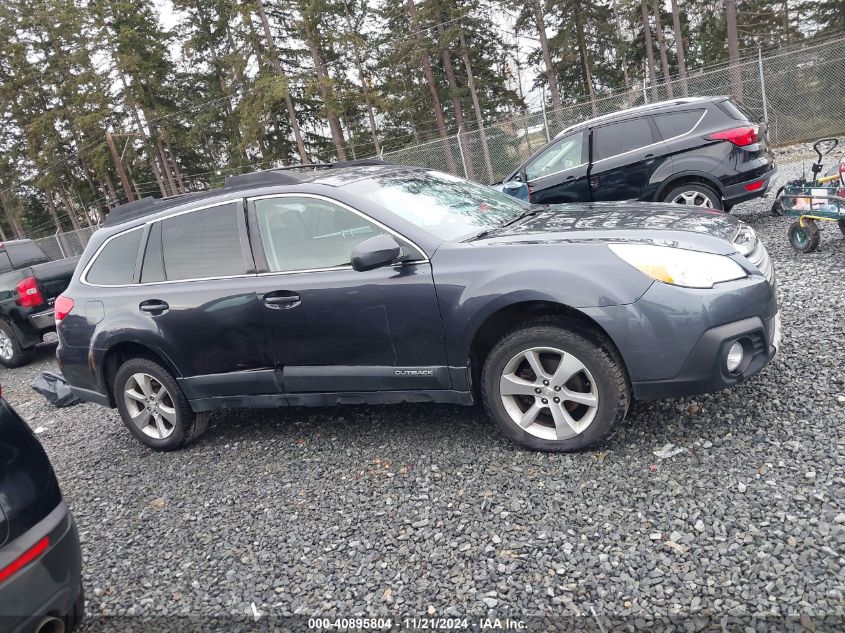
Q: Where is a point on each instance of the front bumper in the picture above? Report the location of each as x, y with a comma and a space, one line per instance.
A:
739, 192
705, 369
51, 585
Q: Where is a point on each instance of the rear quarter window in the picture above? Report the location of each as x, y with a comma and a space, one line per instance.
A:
672, 124
115, 264
202, 244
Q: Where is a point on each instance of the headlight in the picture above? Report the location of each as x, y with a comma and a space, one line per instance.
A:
746, 240
691, 269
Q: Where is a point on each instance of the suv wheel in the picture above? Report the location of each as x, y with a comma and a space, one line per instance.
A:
550, 388
153, 406
11, 353
695, 195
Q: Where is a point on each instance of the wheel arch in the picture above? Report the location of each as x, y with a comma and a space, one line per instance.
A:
506, 318
121, 351
681, 178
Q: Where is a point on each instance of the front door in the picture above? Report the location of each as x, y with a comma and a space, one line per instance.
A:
625, 155
333, 328
559, 172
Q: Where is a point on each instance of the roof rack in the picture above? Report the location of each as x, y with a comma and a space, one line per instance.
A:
275, 176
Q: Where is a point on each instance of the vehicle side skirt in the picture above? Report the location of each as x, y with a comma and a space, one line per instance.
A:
272, 401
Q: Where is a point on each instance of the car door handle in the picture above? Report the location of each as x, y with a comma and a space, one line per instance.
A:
281, 300
648, 159
569, 179
154, 306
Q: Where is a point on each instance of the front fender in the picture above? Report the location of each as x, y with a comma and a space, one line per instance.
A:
474, 282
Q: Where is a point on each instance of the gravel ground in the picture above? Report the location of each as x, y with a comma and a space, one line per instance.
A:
424, 510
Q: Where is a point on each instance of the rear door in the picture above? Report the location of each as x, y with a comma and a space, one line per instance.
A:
195, 295
333, 328
559, 172
625, 154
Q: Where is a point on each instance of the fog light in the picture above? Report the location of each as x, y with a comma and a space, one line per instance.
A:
735, 354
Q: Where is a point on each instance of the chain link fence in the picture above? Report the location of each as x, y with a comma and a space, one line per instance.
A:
800, 92
67, 244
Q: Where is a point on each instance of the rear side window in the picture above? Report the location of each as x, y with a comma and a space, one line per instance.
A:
115, 265
5, 262
672, 124
618, 138
737, 111
204, 243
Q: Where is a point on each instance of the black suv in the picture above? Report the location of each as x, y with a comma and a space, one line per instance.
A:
702, 151
383, 284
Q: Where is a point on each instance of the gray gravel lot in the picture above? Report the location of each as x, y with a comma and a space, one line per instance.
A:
424, 510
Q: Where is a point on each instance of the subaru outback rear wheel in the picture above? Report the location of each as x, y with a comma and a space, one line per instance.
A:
153, 407
552, 388
695, 195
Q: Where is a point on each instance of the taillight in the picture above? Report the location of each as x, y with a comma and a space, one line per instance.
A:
62, 307
25, 559
29, 295
739, 136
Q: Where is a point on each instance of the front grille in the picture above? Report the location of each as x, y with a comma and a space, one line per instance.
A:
759, 257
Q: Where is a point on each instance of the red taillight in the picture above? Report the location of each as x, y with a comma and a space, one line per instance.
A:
29, 295
25, 559
739, 136
754, 186
62, 307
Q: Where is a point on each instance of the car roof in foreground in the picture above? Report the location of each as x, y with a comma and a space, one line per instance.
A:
332, 174
647, 108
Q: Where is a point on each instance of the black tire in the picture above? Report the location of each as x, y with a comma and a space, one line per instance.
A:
696, 187
14, 355
841, 224
184, 428
593, 351
804, 236
777, 205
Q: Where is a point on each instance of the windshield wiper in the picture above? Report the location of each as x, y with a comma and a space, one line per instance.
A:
519, 218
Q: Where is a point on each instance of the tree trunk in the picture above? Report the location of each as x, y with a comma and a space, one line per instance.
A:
454, 94
432, 87
365, 84
551, 75
112, 192
733, 49
274, 60
479, 118
649, 49
679, 47
619, 46
52, 210
585, 63
661, 45
325, 80
71, 209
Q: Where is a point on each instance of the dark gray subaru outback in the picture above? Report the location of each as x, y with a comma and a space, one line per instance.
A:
374, 283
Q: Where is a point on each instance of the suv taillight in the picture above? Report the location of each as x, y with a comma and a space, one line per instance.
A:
739, 136
62, 307
29, 295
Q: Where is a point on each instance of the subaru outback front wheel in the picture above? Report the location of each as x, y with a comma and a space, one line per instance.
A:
153, 407
553, 388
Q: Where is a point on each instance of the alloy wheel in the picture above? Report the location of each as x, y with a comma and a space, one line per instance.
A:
693, 198
6, 348
150, 406
549, 393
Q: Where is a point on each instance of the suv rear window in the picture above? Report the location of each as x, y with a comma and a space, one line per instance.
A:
672, 124
624, 136
204, 243
115, 265
737, 111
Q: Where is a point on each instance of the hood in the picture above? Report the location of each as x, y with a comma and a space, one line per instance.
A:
603, 219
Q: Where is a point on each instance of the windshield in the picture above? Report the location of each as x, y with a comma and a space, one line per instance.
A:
446, 206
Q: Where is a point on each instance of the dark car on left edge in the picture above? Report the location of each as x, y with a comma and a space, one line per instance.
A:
40, 558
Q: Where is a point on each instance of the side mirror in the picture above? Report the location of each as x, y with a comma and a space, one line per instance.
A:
377, 251
517, 189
